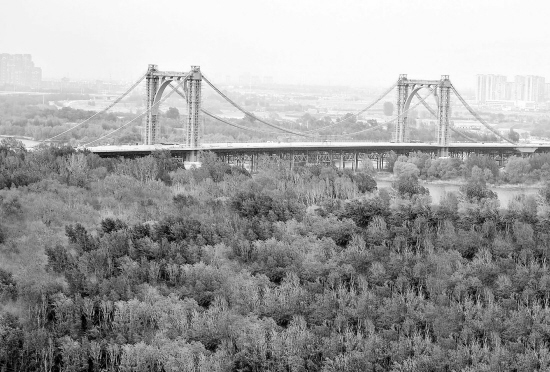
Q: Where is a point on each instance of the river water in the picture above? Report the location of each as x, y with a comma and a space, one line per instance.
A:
438, 190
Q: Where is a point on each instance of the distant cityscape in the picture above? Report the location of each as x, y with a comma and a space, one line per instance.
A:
19, 73
18, 70
525, 92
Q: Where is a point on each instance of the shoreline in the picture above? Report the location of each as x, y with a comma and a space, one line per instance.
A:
461, 181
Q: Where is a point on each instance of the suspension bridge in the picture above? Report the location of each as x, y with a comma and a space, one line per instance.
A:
160, 85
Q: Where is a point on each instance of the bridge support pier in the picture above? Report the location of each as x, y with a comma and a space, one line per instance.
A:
443, 152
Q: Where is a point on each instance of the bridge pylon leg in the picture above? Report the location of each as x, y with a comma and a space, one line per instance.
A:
444, 114
400, 134
151, 87
193, 125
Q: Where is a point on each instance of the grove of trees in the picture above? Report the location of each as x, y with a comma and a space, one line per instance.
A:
142, 265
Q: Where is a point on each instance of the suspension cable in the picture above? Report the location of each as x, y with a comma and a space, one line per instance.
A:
479, 118
387, 122
102, 111
346, 119
432, 111
426, 105
213, 116
298, 133
140, 115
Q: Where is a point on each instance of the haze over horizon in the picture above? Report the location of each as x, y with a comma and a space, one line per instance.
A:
308, 42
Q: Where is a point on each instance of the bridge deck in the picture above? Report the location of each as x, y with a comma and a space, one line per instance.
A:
320, 146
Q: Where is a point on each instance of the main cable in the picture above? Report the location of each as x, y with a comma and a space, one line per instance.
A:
214, 116
346, 119
141, 115
298, 133
387, 122
479, 118
432, 111
102, 111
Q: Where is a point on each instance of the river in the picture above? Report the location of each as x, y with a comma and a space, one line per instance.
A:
438, 190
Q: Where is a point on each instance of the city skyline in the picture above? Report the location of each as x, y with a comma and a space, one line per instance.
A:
524, 88
20, 70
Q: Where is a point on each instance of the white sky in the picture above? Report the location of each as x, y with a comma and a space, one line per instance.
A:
356, 42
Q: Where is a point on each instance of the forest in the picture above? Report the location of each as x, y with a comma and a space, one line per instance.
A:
141, 265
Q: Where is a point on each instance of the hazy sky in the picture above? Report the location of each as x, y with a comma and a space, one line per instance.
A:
359, 42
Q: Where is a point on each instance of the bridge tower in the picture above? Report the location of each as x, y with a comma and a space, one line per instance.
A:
406, 90
155, 83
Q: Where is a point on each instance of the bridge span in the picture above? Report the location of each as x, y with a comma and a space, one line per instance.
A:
341, 154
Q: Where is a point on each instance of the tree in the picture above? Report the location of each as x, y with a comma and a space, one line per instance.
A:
513, 135
349, 118
517, 169
545, 192
407, 185
364, 182
403, 168
476, 188
173, 113
482, 162
388, 108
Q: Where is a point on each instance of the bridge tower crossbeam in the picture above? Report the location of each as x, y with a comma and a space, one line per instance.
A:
406, 90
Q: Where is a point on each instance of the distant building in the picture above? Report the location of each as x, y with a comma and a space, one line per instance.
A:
529, 88
18, 70
467, 125
534, 88
491, 88
510, 87
547, 91
495, 89
519, 88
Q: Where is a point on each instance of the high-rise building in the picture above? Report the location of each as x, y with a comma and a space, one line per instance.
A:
491, 88
547, 92
529, 88
534, 88
519, 88
18, 70
481, 91
510, 87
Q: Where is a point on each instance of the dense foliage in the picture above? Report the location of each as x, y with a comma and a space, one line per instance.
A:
141, 265
517, 169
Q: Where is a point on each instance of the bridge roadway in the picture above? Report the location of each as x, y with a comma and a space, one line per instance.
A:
341, 154
268, 147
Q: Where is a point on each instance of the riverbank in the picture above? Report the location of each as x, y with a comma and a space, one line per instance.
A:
389, 177
440, 188
27, 141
